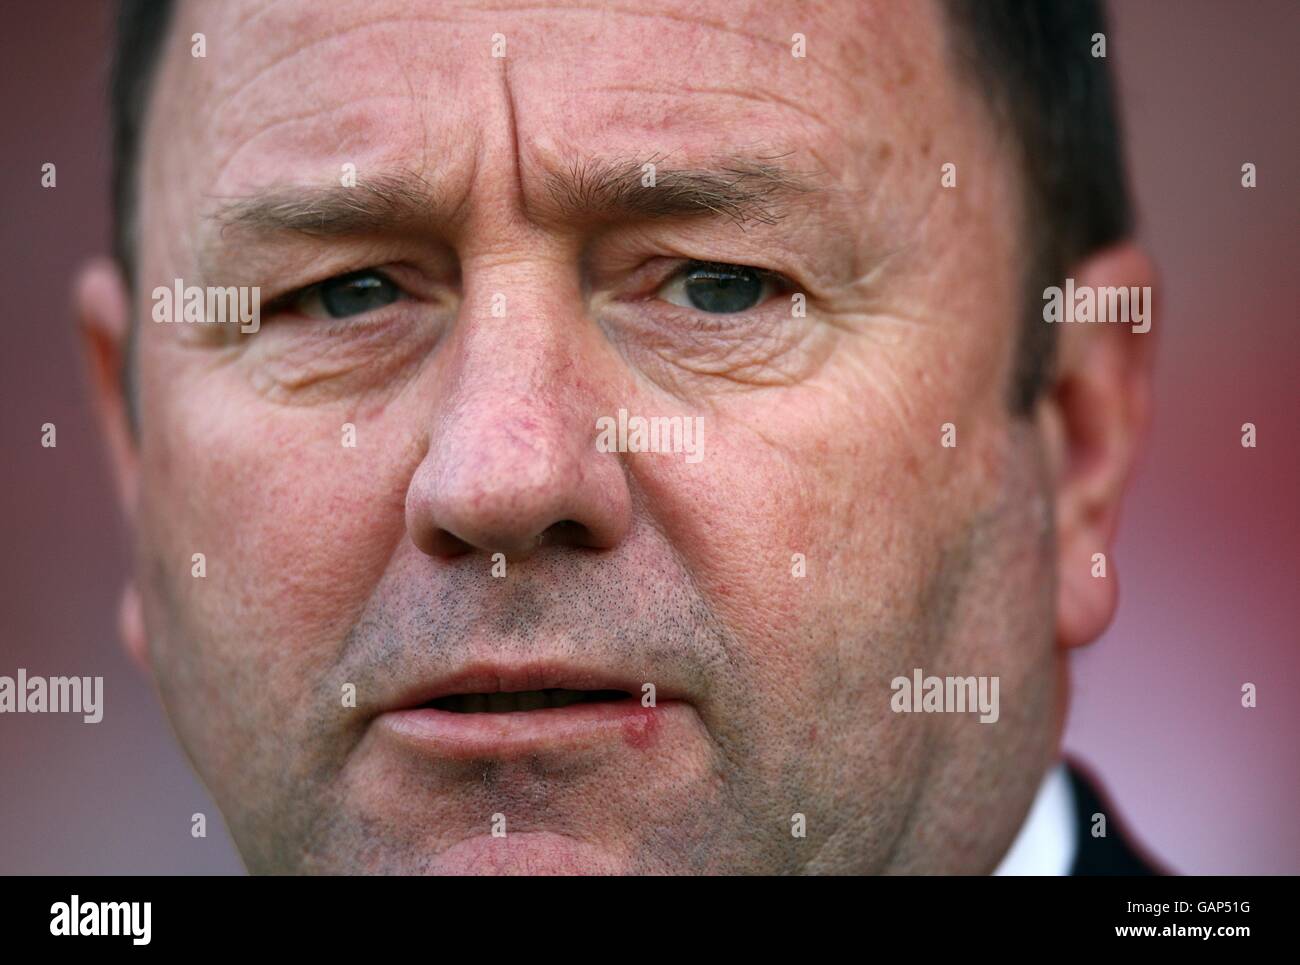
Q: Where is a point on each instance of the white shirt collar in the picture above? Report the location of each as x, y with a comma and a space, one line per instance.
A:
1047, 843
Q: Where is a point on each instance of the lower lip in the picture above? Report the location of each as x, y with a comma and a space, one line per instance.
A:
454, 735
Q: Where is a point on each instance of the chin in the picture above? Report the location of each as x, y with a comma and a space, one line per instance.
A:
526, 853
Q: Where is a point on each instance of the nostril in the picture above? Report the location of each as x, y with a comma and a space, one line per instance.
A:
441, 542
566, 532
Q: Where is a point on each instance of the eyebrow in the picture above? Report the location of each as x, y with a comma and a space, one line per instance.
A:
743, 190
740, 189
375, 202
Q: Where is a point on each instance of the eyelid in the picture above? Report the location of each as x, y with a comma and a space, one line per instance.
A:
772, 282
293, 300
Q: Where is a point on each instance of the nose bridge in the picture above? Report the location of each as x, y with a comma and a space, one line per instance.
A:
511, 463
514, 396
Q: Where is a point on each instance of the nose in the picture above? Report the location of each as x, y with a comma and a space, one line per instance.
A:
512, 464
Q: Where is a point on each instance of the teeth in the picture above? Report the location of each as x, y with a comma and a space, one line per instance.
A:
524, 700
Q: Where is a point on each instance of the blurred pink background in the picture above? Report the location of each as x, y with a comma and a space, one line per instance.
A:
1207, 555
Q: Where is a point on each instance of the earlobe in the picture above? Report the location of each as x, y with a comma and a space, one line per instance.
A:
1094, 420
103, 310
1086, 600
130, 625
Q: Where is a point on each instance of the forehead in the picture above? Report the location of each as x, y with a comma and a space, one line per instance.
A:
290, 89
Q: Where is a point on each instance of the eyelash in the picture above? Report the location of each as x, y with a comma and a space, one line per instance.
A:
773, 279
290, 301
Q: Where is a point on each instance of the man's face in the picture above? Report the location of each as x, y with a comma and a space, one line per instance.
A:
825, 543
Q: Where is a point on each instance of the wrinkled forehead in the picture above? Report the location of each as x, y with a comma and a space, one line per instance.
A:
289, 90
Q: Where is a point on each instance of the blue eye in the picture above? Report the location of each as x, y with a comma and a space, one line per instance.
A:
717, 288
354, 294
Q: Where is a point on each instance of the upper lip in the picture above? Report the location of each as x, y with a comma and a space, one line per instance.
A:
498, 677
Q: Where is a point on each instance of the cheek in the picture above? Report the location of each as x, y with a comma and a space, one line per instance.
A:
806, 524
296, 527
822, 531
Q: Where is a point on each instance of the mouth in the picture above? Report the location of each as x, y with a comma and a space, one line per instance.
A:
503, 712
524, 701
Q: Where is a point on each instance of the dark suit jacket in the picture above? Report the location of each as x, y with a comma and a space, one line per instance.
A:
1114, 854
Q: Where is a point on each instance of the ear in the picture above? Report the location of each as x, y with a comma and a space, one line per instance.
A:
1094, 418
103, 308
